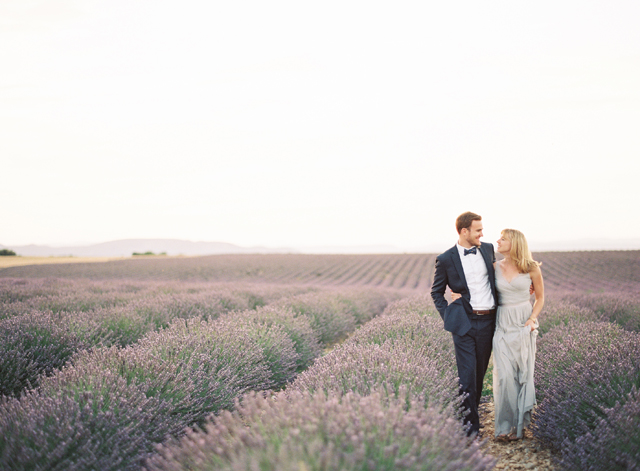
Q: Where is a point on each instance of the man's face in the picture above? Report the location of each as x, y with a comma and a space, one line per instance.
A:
473, 234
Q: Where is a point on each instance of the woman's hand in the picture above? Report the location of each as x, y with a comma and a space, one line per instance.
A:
531, 323
455, 296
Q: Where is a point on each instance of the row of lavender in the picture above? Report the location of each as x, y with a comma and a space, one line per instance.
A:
620, 307
594, 271
43, 322
587, 382
20, 295
110, 406
385, 399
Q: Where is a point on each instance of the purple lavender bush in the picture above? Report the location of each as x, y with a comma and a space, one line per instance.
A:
201, 367
123, 325
405, 348
558, 311
364, 304
38, 343
319, 432
366, 368
613, 445
277, 347
69, 296
413, 321
298, 328
16, 295
623, 307
578, 347
14, 290
413, 325
325, 316
95, 421
582, 370
334, 314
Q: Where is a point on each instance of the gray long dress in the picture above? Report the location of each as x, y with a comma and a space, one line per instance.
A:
514, 354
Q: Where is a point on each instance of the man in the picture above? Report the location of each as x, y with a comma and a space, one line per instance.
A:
467, 268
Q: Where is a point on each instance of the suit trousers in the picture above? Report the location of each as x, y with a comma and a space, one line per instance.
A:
473, 351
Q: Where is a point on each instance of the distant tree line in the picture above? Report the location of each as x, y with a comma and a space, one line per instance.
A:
149, 253
7, 252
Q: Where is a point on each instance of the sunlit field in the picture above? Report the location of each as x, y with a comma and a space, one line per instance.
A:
17, 261
283, 362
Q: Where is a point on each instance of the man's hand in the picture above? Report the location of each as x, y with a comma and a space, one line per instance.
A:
531, 290
455, 296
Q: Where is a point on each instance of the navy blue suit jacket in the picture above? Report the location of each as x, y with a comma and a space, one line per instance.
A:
449, 272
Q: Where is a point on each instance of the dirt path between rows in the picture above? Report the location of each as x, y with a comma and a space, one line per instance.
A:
527, 453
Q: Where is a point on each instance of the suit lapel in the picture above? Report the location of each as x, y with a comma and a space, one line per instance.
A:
455, 256
488, 260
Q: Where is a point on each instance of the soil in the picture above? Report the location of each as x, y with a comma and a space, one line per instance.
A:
527, 453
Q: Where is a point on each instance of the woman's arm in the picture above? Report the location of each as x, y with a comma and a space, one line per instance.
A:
538, 285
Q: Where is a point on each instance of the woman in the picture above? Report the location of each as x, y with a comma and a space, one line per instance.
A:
514, 341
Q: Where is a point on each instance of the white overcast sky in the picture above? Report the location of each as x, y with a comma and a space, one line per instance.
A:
317, 123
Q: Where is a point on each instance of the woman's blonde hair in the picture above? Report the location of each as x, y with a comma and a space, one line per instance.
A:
520, 253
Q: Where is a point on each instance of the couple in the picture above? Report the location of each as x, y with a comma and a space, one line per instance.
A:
491, 307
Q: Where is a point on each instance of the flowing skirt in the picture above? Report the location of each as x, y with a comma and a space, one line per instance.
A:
514, 355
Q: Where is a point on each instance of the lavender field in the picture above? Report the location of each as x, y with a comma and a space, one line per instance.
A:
595, 271
269, 361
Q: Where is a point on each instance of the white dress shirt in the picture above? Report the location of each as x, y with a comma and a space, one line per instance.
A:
475, 271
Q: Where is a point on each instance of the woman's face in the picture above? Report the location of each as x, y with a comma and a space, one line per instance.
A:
504, 245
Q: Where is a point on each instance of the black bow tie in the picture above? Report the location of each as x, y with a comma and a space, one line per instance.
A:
471, 250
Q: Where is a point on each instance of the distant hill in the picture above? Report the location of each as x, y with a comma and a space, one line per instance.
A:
125, 247
578, 245
350, 249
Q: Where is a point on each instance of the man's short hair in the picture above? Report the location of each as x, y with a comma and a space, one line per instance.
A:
465, 220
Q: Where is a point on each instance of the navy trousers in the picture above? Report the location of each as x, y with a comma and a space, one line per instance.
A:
473, 351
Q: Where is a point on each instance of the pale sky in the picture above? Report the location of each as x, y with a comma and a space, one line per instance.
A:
317, 123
